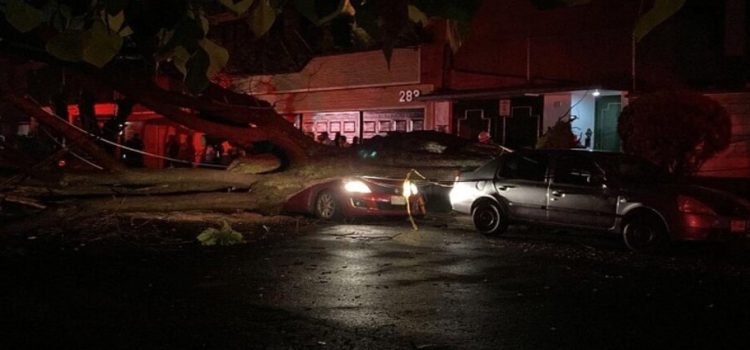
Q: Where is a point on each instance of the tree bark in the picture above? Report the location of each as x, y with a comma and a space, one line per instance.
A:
244, 124
76, 138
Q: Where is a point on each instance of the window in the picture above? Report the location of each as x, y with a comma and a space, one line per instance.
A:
417, 124
574, 170
384, 126
629, 169
350, 127
401, 125
526, 167
335, 126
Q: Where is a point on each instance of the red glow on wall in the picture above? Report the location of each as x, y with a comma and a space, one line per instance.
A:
101, 109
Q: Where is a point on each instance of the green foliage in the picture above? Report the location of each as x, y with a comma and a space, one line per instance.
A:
462, 11
262, 18
197, 66
558, 136
22, 16
223, 236
677, 130
552, 4
101, 45
321, 12
67, 46
175, 31
417, 16
239, 7
662, 10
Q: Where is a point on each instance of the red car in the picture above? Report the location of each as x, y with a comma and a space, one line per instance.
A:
357, 196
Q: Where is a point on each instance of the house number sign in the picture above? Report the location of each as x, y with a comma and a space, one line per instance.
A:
408, 95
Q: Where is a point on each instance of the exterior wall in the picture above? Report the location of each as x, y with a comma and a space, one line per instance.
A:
735, 161
441, 118
462, 80
555, 106
583, 104
586, 43
371, 98
334, 94
347, 71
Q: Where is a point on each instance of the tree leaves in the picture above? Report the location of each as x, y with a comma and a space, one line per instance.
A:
311, 9
307, 9
262, 18
223, 236
197, 66
23, 16
67, 46
237, 6
115, 22
218, 56
97, 45
180, 57
100, 45
552, 4
662, 10
462, 11
677, 130
558, 136
115, 6
417, 16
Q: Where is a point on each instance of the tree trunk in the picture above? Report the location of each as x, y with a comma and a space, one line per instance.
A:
76, 138
253, 121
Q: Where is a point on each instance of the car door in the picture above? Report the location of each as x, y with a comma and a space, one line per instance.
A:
578, 193
522, 181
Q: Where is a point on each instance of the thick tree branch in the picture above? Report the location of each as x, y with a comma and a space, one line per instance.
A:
266, 124
75, 138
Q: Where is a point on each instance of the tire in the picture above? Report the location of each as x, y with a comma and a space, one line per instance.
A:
489, 218
327, 206
645, 233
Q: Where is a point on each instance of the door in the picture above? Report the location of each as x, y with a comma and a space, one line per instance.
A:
522, 181
474, 116
607, 114
578, 194
522, 128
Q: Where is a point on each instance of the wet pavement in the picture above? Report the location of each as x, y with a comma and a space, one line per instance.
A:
379, 286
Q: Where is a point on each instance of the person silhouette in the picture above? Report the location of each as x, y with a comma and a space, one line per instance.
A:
133, 158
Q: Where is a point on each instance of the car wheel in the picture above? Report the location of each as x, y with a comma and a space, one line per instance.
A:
326, 206
489, 218
645, 234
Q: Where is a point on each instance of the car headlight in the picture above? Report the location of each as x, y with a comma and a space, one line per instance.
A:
356, 186
409, 189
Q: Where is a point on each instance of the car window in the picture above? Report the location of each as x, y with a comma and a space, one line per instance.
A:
577, 170
526, 167
629, 169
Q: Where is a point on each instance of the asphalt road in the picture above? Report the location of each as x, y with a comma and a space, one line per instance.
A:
378, 286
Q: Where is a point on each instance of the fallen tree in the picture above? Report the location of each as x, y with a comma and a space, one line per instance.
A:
119, 47
76, 196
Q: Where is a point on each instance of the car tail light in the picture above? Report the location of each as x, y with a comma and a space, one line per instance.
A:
696, 214
691, 205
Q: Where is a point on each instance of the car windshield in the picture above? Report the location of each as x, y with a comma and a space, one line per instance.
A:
630, 169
